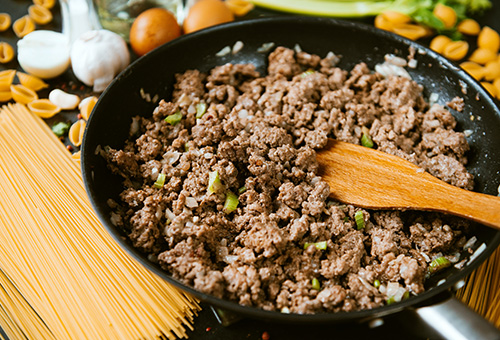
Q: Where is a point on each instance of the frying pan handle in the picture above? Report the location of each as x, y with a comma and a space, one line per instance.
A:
454, 320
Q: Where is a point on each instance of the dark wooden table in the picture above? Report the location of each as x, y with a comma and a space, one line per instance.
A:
403, 325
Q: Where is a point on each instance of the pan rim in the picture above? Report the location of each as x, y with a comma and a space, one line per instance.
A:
273, 315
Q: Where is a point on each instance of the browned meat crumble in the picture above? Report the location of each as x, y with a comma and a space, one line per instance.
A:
286, 247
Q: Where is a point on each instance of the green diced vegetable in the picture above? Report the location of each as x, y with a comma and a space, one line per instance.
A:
360, 221
306, 73
322, 245
214, 183
315, 284
231, 202
438, 264
160, 181
376, 284
201, 108
406, 295
390, 300
61, 129
242, 190
366, 139
174, 118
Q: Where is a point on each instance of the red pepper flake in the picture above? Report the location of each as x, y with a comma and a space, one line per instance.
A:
266, 336
69, 147
79, 116
208, 329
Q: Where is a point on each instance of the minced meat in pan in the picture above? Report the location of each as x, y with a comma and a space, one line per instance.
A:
233, 136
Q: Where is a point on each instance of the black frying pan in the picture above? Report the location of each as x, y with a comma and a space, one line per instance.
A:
154, 74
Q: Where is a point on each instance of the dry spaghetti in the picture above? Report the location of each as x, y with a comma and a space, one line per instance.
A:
62, 276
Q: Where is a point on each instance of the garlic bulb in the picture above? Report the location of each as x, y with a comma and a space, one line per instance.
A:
97, 56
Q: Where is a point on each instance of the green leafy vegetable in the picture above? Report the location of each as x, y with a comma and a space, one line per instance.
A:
61, 129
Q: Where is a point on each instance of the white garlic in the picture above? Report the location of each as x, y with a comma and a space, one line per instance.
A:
97, 56
64, 100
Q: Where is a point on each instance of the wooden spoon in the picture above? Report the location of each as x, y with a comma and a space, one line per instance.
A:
373, 179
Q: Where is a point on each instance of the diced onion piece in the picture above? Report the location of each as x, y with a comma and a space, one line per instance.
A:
231, 202
478, 251
160, 181
174, 119
438, 264
360, 221
191, 202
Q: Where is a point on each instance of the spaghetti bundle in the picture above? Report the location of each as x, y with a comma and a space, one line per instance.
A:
61, 275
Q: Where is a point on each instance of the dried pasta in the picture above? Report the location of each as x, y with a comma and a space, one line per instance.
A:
40, 14
23, 26
44, 108
76, 131
6, 52
31, 81
86, 106
66, 278
5, 21
23, 95
6, 78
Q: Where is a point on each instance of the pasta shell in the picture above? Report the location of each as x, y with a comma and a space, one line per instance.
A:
44, 108
40, 14
31, 82
5, 96
5, 21
23, 95
45, 3
6, 78
76, 131
23, 26
86, 106
6, 52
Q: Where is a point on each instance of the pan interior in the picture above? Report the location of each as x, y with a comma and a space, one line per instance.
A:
154, 75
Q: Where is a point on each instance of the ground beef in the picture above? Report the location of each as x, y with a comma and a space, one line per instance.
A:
286, 246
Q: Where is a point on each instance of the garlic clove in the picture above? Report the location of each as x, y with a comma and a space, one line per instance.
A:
98, 56
66, 101
44, 54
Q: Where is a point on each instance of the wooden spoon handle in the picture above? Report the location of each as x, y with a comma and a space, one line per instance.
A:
373, 179
475, 206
